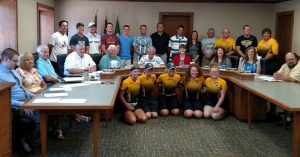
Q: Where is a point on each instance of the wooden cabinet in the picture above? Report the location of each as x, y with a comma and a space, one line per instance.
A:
5, 120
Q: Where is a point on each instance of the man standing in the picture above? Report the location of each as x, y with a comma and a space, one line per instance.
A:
79, 38
177, 40
208, 47
160, 41
58, 43
79, 62
141, 43
226, 42
126, 43
245, 40
94, 39
109, 39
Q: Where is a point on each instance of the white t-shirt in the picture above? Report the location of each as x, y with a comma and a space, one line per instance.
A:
156, 60
95, 42
73, 60
60, 44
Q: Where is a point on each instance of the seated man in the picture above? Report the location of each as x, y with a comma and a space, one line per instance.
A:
19, 96
290, 71
45, 67
78, 62
150, 57
111, 60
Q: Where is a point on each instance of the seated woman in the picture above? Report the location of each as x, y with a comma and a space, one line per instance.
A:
267, 48
129, 97
221, 59
148, 102
216, 90
195, 48
250, 64
194, 85
182, 58
167, 98
31, 79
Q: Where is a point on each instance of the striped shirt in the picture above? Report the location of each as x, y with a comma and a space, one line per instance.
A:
156, 60
174, 43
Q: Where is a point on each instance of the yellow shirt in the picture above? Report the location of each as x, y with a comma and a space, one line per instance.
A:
147, 84
193, 87
131, 88
169, 83
294, 72
228, 44
215, 87
264, 47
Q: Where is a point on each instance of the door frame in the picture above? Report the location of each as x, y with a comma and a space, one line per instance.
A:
39, 7
292, 29
190, 14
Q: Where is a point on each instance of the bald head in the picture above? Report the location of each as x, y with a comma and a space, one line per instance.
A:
291, 59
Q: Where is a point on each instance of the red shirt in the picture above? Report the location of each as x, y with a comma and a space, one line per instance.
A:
109, 40
176, 59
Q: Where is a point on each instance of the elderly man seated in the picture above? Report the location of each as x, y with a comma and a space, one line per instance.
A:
111, 60
150, 57
290, 71
79, 62
44, 65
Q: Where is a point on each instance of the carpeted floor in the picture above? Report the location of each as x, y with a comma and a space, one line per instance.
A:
175, 137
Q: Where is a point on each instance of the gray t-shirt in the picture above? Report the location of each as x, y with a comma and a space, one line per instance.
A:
208, 45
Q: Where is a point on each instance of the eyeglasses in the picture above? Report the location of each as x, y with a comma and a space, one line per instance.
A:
16, 61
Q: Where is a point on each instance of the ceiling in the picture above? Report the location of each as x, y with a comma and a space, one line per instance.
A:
207, 1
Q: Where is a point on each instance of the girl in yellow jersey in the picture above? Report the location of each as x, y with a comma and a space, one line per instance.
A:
216, 90
129, 97
168, 99
148, 102
193, 86
267, 48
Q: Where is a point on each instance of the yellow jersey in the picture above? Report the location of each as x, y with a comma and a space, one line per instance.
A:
147, 84
228, 44
169, 83
264, 47
215, 86
131, 89
193, 87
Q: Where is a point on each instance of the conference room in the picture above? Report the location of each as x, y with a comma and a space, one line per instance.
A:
84, 107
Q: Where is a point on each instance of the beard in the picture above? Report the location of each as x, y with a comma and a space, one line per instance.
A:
291, 65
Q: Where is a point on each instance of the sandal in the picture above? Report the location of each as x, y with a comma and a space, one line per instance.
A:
58, 134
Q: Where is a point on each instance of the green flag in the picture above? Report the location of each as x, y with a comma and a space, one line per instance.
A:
117, 29
105, 23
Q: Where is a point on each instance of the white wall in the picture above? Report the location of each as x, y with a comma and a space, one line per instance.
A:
289, 6
27, 23
217, 15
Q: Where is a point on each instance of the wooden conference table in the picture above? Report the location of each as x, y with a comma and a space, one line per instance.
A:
243, 89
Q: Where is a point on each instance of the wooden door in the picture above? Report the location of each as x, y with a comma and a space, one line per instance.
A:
172, 20
45, 23
284, 33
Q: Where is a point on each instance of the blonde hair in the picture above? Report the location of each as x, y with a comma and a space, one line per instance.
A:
22, 59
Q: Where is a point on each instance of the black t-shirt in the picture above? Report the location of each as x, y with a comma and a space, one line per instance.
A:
244, 43
76, 39
160, 42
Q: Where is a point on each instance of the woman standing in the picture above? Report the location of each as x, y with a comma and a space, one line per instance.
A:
250, 64
129, 97
194, 48
193, 87
216, 89
267, 48
221, 59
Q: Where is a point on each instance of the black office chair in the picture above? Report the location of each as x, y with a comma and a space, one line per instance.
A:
96, 58
234, 61
61, 62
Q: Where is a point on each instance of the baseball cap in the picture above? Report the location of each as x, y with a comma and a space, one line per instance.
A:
134, 67
171, 65
148, 66
92, 24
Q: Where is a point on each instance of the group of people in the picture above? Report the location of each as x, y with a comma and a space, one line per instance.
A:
145, 96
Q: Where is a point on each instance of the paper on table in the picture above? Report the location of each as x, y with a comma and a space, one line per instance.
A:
48, 95
92, 82
74, 85
72, 79
60, 89
47, 100
267, 78
77, 101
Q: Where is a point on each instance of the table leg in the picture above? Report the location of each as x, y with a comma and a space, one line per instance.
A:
250, 104
296, 134
43, 128
96, 129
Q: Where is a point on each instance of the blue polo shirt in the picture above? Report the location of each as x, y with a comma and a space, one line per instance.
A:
18, 93
125, 47
45, 68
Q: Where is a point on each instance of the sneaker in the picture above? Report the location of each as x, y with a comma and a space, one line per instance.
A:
82, 118
25, 145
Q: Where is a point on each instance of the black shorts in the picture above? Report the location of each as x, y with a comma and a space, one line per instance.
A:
212, 100
149, 104
125, 109
168, 102
193, 105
